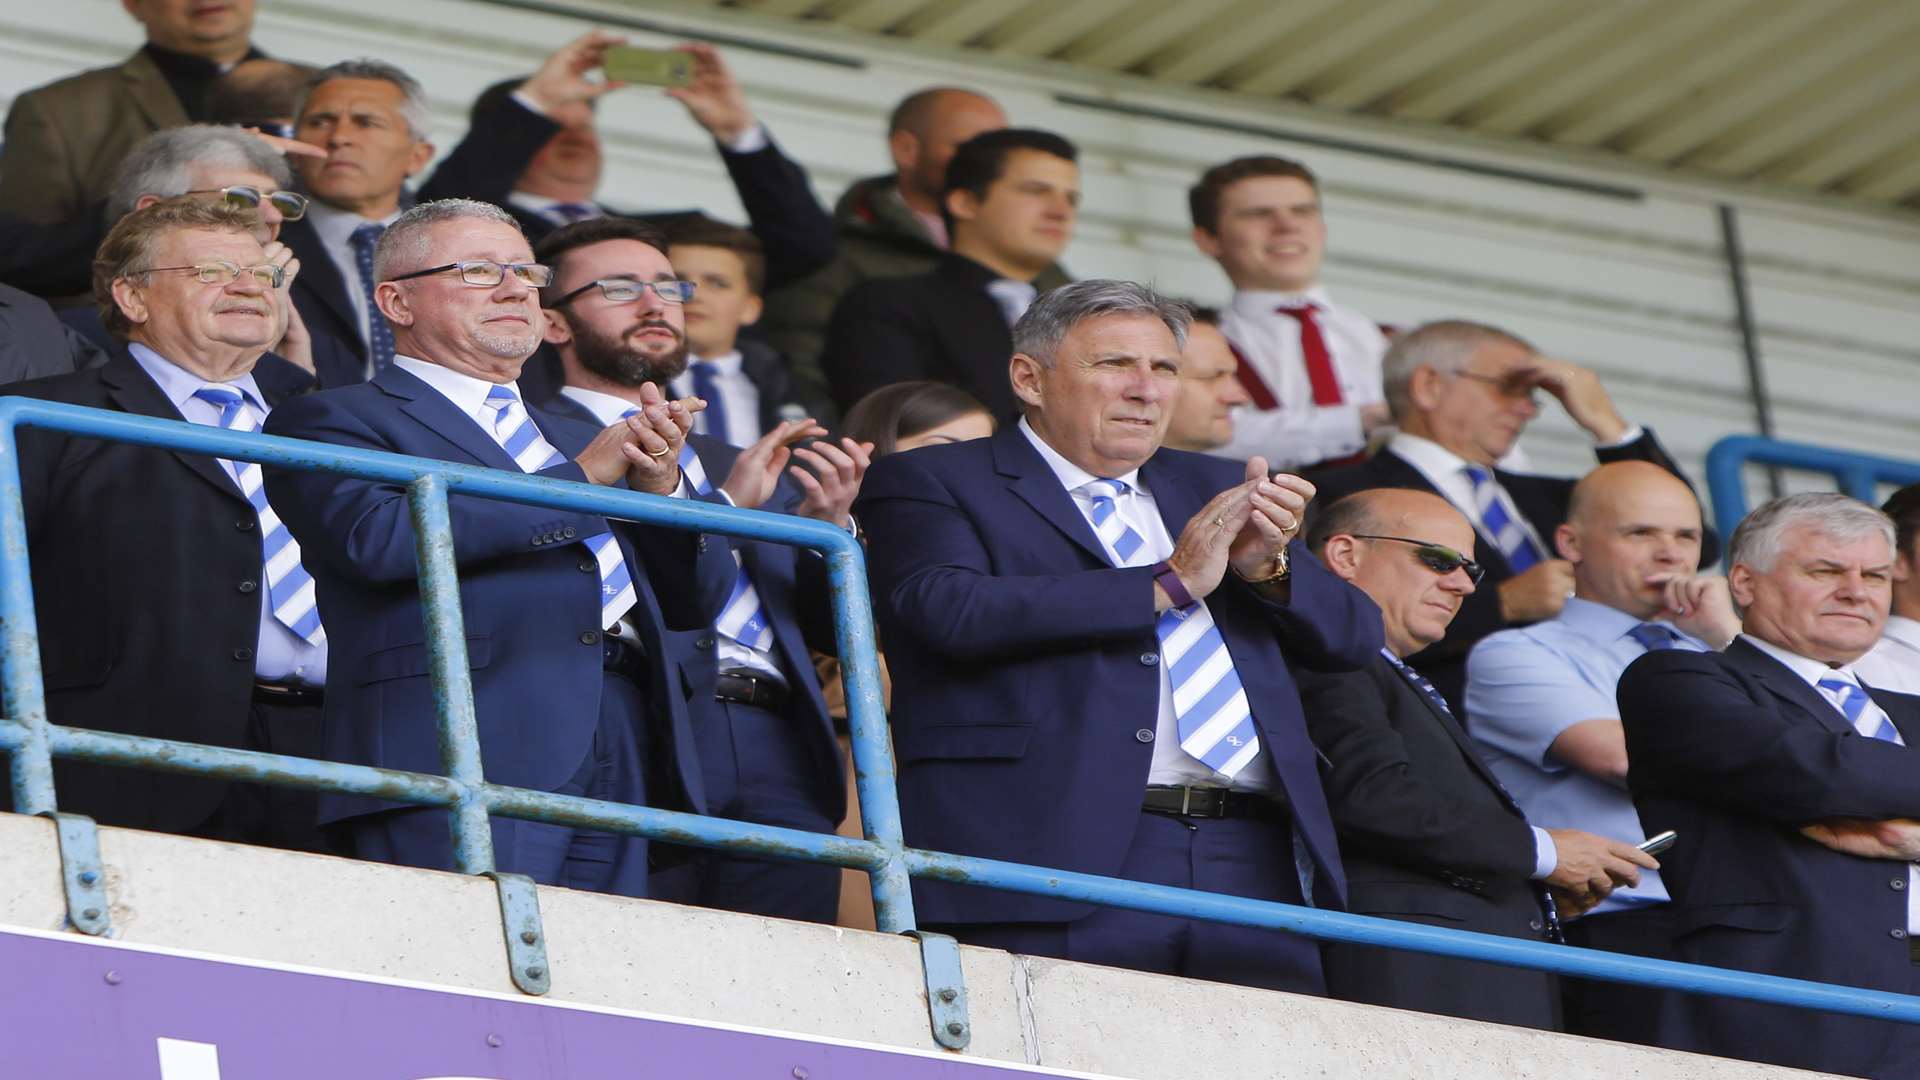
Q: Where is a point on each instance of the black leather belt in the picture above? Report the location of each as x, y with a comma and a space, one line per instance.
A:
622, 657
755, 690
278, 694
1211, 802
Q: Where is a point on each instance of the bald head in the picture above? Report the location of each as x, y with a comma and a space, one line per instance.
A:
1631, 528
925, 129
1383, 542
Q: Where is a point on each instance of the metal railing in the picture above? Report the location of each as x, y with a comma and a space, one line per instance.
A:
33, 742
1856, 474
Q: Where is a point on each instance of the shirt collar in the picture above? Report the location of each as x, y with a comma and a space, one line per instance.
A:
1608, 624
1426, 455
605, 408
336, 226
728, 362
1810, 670
1262, 302
1071, 476
465, 391
179, 384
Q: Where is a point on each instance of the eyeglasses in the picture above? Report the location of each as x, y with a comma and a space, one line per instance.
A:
488, 272
1517, 385
620, 290
223, 273
1439, 558
291, 204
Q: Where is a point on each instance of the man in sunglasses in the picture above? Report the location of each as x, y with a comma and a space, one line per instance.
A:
1541, 698
564, 612
1427, 833
766, 741
1461, 394
171, 602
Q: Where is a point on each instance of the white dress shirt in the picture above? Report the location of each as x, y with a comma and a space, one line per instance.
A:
335, 229
1869, 720
730, 654
280, 656
1171, 765
1894, 663
1447, 472
1300, 432
739, 398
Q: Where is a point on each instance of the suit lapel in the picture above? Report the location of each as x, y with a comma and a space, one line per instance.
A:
150, 93
443, 418
1451, 725
1902, 709
1175, 495
1035, 484
1785, 684
133, 391
320, 276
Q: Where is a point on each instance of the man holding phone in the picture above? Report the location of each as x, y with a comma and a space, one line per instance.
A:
1426, 831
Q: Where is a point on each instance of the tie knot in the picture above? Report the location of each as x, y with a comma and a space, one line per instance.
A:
368, 235
1305, 311
1478, 474
1653, 636
500, 399
575, 211
224, 396
1105, 489
1839, 686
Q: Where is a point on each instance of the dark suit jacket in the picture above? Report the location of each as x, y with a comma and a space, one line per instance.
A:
485, 166
64, 140
529, 594
1542, 500
34, 343
1428, 835
1736, 752
943, 326
146, 571
54, 261
1026, 668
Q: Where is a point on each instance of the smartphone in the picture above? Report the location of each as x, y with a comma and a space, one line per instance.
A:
1654, 845
648, 67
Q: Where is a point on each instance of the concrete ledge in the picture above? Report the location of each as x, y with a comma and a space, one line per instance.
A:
368, 919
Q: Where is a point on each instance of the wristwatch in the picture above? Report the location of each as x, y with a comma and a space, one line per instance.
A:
1176, 590
1280, 571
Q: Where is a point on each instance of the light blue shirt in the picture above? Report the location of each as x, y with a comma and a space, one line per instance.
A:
1527, 686
280, 655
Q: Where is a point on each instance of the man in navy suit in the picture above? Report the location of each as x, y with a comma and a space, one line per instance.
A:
767, 748
1089, 639
1792, 785
563, 611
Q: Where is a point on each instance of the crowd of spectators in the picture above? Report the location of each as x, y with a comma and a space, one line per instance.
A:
1260, 599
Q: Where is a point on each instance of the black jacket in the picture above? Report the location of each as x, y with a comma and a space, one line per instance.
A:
34, 343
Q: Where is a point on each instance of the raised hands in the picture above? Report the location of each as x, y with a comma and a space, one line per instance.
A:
1246, 527
562, 78
714, 97
644, 448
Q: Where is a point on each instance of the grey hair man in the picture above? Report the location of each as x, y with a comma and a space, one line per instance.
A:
563, 610
1462, 393
1792, 786
1085, 631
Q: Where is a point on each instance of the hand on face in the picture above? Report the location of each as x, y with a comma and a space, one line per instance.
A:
1580, 392
295, 345
1700, 605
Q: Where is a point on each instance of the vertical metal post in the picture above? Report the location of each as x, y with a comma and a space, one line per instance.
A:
1749, 334
21, 689
447, 663
872, 748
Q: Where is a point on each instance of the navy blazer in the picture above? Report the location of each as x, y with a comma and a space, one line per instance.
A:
1736, 752
529, 595
1026, 669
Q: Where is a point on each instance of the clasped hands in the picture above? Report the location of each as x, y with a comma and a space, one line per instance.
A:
643, 449
1245, 527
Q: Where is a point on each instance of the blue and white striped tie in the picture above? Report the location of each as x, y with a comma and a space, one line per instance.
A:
289, 586
1852, 703
514, 430
744, 619
1507, 534
1209, 704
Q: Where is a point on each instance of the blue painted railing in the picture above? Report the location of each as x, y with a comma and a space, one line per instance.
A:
1858, 475
33, 742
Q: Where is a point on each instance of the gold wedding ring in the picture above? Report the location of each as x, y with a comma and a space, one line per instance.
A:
1219, 523
663, 452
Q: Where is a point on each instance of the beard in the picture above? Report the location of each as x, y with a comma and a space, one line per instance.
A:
613, 359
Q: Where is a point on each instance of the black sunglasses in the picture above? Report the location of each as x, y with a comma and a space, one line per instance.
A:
1439, 558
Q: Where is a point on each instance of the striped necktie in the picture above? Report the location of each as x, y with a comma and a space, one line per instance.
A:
1852, 703
514, 430
1652, 636
1507, 534
379, 332
744, 619
712, 420
1209, 704
289, 586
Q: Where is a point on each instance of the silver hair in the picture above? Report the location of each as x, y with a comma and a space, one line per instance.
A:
1446, 346
1761, 535
163, 163
403, 247
1053, 315
413, 101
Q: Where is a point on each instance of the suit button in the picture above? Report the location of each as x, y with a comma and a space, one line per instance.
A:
243, 654
589, 637
703, 643
247, 586
567, 533
245, 524
1536, 926
1144, 735
589, 566
1896, 934
1897, 884
1148, 659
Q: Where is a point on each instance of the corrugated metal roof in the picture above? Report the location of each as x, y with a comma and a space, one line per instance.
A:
1815, 95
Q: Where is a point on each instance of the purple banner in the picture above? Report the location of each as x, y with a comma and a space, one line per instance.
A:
76, 1008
